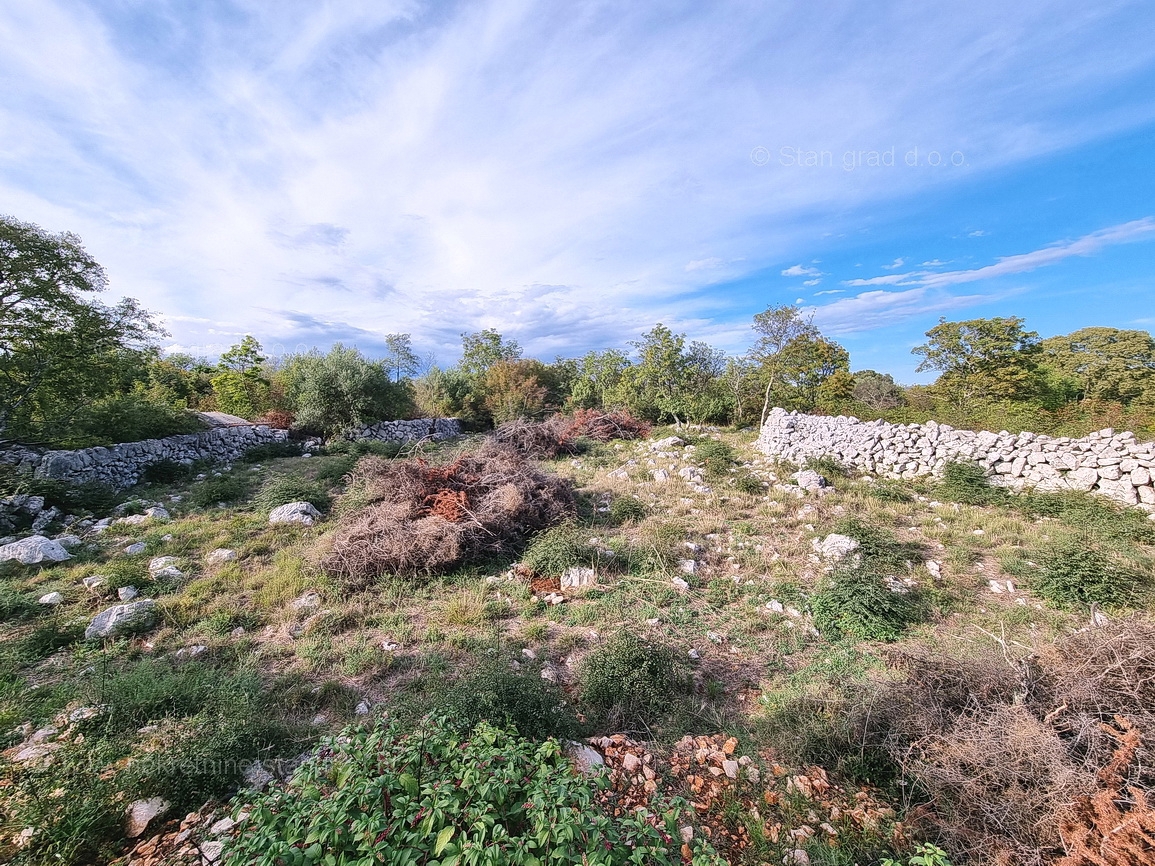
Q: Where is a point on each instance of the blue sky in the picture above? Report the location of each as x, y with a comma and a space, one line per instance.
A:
571, 174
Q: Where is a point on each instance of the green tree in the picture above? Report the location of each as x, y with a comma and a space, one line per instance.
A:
1104, 363
515, 389
983, 360
342, 391
240, 386
777, 327
400, 359
597, 376
62, 352
655, 386
814, 370
483, 349
877, 390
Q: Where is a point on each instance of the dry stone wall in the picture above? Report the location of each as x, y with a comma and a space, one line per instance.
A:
1111, 464
410, 431
121, 466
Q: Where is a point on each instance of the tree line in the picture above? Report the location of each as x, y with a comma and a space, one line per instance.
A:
76, 372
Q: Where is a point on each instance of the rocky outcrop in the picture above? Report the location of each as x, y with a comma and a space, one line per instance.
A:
121, 466
410, 431
1115, 465
34, 550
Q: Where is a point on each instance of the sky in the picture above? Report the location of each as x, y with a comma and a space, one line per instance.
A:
573, 173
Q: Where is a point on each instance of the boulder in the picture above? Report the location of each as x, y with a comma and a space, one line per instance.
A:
221, 554
52, 598
295, 512
141, 813
131, 618
835, 547
34, 550
808, 479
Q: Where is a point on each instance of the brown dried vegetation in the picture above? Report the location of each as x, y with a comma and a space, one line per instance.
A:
558, 434
416, 518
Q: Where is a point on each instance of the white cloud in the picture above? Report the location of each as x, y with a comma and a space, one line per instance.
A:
898, 263
829, 292
977, 233
800, 271
884, 280
703, 265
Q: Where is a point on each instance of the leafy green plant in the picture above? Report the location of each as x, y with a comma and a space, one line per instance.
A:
281, 489
383, 795
880, 549
626, 508
889, 491
967, 483
1075, 572
271, 451
715, 456
561, 547
924, 854
745, 482
855, 602
497, 694
219, 488
630, 683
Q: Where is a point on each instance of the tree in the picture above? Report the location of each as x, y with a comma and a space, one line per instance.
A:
877, 390
597, 376
1104, 363
776, 327
814, 369
400, 359
60, 351
515, 389
483, 349
982, 359
342, 391
241, 387
655, 386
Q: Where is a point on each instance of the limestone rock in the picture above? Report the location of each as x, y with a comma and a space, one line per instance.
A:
835, 547
34, 550
131, 618
295, 512
141, 813
578, 576
52, 598
221, 554
808, 479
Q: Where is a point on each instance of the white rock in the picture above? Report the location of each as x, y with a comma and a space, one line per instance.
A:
128, 618
835, 547
309, 601
68, 541
142, 812
93, 582
127, 593
362, 709
666, 444
586, 759
135, 548
157, 512
190, 652
295, 512
257, 777
52, 598
694, 654
660, 476
221, 554
212, 853
578, 576
159, 563
679, 584
34, 550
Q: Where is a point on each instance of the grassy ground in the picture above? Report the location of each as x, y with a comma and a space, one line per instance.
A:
766, 638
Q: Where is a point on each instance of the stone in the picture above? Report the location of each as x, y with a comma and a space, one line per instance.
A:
52, 598
1140, 476
221, 554
576, 576
688, 566
212, 853
586, 759
302, 513
808, 479
1082, 480
127, 593
160, 563
257, 777
631, 763
132, 520
141, 813
34, 550
157, 512
660, 476
68, 542
190, 652
170, 572
667, 444
309, 601
136, 548
835, 547
131, 618
94, 582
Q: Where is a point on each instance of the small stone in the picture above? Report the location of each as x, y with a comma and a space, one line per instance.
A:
127, 593
694, 654
52, 598
142, 812
136, 548
578, 576
157, 512
128, 618
303, 513
680, 584
160, 563
714, 637
213, 852
730, 768
308, 601
190, 652
587, 759
362, 708
257, 777
221, 554
93, 582
631, 763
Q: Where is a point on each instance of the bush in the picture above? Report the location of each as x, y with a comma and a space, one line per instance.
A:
497, 694
830, 467
628, 684
1077, 572
626, 508
165, 472
1091, 514
271, 451
889, 491
855, 602
219, 488
749, 484
125, 418
715, 456
880, 550
968, 484
281, 489
384, 795
557, 549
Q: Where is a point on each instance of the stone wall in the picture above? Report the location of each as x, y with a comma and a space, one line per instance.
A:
1112, 464
410, 431
120, 466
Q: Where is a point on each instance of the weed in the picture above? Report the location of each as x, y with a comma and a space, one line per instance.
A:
496, 693
751, 485
166, 472
967, 483
855, 602
715, 456
557, 549
879, 547
628, 683
828, 466
889, 491
271, 451
219, 488
282, 489
624, 509
1077, 572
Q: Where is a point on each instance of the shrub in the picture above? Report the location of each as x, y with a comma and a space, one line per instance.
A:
628, 683
751, 485
219, 488
968, 484
855, 602
1076, 572
715, 456
626, 508
281, 489
165, 472
497, 694
553, 551
342, 391
828, 466
889, 491
128, 417
16, 605
432, 795
1091, 514
880, 550
271, 451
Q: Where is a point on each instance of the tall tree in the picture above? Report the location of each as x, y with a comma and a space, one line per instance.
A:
1104, 363
598, 374
776, 328
982, 359
240, 386
877, 390
482, 349
400, 359
342, 390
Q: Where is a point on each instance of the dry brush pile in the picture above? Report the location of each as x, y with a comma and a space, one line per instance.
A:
558, 434
412, 517
1022, 762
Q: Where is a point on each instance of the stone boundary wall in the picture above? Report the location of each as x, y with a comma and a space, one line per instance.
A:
121, 466
410, 431
1111, 464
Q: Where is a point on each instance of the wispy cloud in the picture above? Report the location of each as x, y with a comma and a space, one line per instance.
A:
800, 271
898, 263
